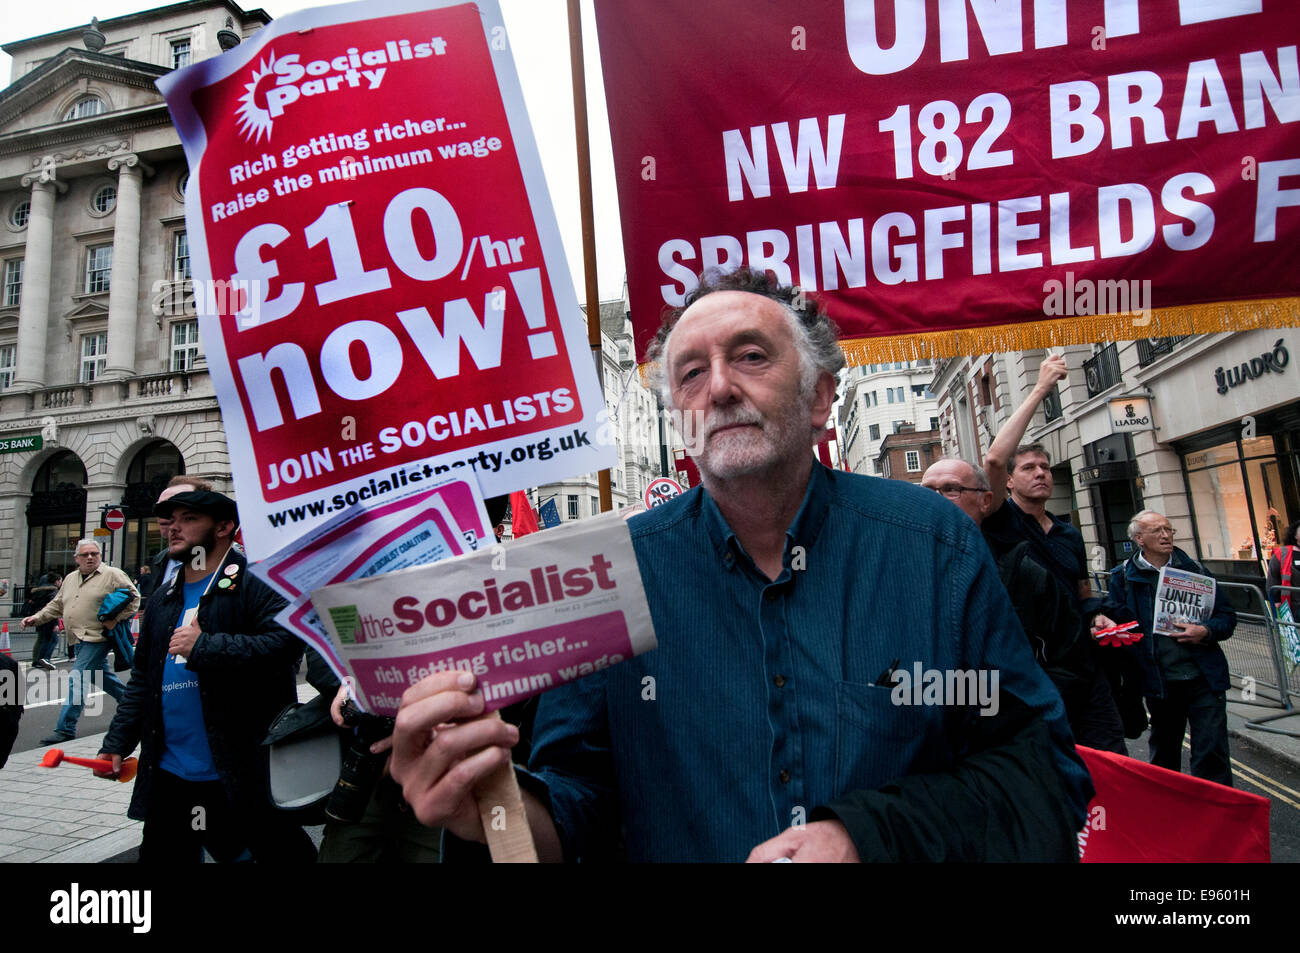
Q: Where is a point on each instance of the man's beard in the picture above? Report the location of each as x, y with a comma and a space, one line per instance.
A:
748, 450
203, 549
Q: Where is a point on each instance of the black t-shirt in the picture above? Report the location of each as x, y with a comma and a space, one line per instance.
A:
1060, 550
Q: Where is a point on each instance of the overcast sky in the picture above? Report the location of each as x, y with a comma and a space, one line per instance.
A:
538, 32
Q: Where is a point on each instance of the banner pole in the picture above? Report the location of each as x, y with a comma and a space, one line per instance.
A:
588, 216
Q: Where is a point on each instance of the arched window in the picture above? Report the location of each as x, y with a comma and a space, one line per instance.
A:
86, 106
152, 467
56, 515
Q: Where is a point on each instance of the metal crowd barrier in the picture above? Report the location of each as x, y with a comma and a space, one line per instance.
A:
1287, 673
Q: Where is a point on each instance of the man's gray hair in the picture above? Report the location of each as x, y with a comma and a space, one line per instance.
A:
815, 334
1138, 518
88, 541
981, 477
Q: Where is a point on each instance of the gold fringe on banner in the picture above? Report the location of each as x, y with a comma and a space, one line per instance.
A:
1084, 329
1211, 318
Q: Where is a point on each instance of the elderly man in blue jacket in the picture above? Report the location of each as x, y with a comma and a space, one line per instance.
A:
1184, 676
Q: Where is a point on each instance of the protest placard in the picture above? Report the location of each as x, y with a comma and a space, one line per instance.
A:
1182, 598
415, 529
548, 609
956, 178
382, 293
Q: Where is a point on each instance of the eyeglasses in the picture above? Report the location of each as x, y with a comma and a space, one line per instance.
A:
953, 490
1162, 531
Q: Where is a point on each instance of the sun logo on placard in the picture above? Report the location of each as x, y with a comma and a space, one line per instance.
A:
255, 119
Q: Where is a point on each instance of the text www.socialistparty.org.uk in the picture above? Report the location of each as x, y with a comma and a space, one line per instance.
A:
401, 477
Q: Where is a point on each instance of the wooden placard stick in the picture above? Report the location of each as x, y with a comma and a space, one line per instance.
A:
505, 822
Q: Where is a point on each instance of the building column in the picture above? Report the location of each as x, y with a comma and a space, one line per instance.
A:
34, 307
124, 285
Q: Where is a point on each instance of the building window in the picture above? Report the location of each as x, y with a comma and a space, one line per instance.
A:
104, 199
99, 268
900, 394
13, 282
874, 431
918, 390
180, 53
94, 354
889, 395
595, 506
934, 423
21, 213
88, 106
181, 257
572, 500
8, 354
185, 345
913, 461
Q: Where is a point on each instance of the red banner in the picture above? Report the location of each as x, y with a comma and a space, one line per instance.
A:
973, 174
378, 272
1145, 814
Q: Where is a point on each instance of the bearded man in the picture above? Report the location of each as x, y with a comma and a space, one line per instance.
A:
212, 670
790, 602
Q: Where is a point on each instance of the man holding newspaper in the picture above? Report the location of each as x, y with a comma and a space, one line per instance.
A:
1184, 673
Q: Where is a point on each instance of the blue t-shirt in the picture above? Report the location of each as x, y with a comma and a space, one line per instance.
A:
186, 753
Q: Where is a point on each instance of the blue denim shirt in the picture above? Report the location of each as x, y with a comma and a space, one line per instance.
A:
761, 702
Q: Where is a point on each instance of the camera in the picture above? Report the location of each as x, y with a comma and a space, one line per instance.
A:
360, 769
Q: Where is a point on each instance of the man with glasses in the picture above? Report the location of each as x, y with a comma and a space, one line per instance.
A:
1046, 611
1184, 676
78, 602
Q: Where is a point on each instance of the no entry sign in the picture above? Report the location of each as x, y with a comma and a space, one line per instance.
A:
114, 520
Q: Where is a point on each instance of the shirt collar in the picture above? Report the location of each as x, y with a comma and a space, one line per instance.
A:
803, 531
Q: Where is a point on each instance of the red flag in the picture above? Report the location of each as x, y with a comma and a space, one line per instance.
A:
1146, 814
522, 518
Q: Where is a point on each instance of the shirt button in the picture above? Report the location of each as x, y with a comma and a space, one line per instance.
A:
770, 595
779, 681
784, 776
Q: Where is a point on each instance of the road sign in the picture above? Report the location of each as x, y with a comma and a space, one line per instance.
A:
114, 519
660, 491
100, 531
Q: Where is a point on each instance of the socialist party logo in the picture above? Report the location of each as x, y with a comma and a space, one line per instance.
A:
275, 84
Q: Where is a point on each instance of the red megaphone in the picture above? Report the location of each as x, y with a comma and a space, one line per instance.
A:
55, 756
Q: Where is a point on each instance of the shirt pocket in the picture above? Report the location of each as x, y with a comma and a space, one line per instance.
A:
876, 740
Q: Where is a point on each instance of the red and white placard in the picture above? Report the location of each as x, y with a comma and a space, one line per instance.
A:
391, 300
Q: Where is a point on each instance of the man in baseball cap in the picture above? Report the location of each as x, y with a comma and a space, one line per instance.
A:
215, 669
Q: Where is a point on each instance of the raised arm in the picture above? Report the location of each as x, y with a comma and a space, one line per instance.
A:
997, 462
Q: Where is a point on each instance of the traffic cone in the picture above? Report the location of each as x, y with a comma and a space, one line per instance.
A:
4, 640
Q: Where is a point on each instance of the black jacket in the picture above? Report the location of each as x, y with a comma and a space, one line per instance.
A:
246, 666
11, 709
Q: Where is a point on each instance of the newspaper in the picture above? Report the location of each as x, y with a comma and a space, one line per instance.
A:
546, 610
431, 524
1182, 598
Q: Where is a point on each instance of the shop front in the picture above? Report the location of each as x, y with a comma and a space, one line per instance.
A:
1243, 492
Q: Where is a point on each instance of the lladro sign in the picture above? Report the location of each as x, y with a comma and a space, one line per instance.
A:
1273, 361
1130, 413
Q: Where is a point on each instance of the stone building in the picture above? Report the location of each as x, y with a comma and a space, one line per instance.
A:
878, 400
635, 416
104, 391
